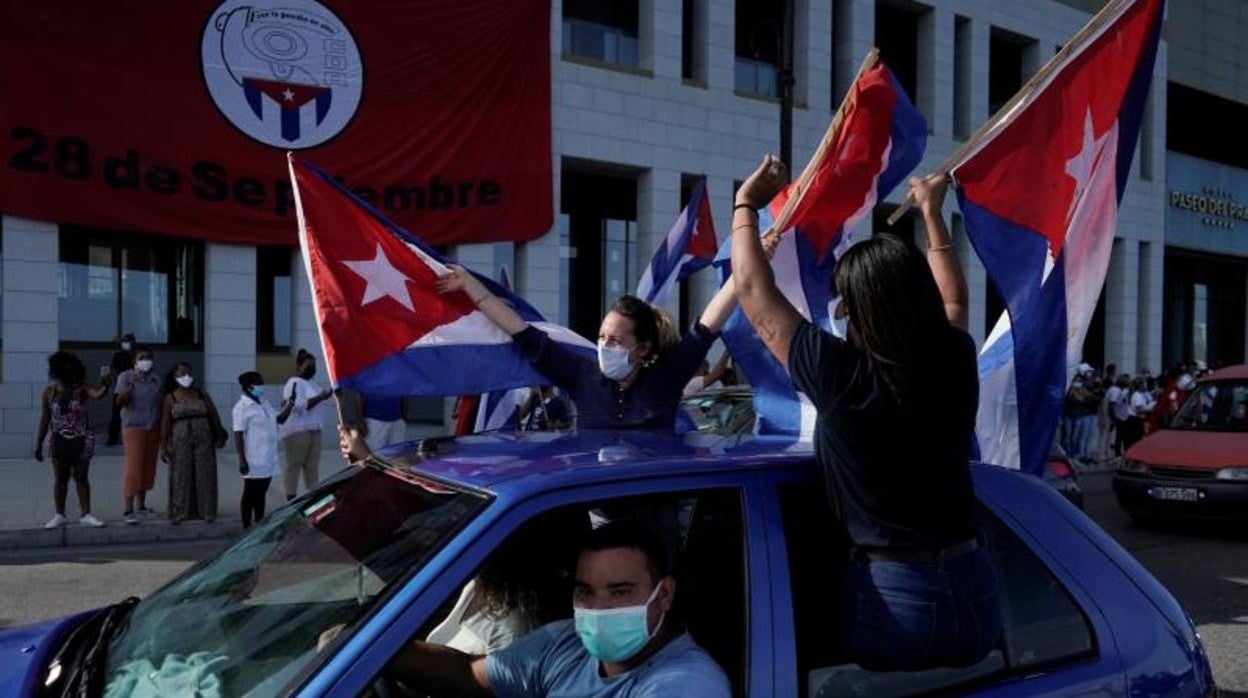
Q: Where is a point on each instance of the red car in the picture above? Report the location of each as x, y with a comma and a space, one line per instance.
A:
1196, 467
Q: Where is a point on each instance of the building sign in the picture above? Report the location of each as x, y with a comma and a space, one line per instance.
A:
176, 117
1217, 207
1206, 205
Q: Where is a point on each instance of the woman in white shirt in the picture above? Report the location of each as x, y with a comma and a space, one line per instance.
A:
1139, 404
299, 423
255, 440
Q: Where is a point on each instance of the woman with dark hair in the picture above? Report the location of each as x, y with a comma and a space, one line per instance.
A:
896, 404
65, 433
637, 379
190, 434
299, 423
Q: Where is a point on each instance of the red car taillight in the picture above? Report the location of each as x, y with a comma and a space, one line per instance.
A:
1060, 468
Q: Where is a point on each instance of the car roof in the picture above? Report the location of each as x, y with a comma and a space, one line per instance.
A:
1239, 372
547, 460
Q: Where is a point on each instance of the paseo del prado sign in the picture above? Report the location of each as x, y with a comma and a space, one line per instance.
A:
1216, 207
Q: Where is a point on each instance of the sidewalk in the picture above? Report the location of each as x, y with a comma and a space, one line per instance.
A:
26, 501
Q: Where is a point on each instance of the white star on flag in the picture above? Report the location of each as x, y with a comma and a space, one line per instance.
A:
1079, 168
383, 280
290, 96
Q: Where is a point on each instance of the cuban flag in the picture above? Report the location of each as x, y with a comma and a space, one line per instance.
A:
881, 139
1039, 195
689, 246
497, 409
290, 98
384, 328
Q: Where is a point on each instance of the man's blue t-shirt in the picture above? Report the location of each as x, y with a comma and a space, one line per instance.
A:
551, 661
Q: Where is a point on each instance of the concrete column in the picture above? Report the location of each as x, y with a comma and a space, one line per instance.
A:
30, 331
304, 334
854, 26
1121, 315
721, 45
488, 259
658, 203
229, 319
660, 33
936, 58
814, 61
1151, 303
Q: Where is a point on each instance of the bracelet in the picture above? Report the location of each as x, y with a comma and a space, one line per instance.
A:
747, 226
748, 207
940, 248
479, 302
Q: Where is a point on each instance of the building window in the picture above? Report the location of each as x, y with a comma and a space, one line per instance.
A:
758, 47
961, 78
112, 283
693, 20
603, 31
1007, 58
601, 239
897, 37
273, 298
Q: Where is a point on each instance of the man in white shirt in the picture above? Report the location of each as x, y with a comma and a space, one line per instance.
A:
1117, 399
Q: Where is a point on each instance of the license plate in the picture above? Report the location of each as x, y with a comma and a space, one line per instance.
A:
1180, 494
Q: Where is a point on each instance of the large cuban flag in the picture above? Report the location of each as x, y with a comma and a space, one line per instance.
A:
1039, 195
689, 246
881, 139
384, 327
497, 408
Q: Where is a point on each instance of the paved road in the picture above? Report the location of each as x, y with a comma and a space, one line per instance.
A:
1207, 569
1204, 566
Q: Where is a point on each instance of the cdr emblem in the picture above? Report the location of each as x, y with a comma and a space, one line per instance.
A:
286, 73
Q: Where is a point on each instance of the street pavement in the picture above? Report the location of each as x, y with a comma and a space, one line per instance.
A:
1205, 567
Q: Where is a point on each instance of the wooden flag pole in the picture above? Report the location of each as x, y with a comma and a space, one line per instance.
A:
1076, 42
803, 182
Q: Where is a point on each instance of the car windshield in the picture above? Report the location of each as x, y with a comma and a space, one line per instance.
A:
1215, 406
249, 620
720, 412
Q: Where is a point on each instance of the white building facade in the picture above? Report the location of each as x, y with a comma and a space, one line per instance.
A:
648, 96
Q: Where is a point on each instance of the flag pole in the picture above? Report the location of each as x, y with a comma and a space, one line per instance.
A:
803, 182
1058, 60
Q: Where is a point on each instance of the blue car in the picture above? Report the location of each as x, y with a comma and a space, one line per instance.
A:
317, 599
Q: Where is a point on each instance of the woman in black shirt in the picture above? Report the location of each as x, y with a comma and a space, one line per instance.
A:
636, 381
896, 406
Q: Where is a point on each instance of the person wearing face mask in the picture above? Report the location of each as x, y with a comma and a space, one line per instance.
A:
190, 433
122, 360
255, 442
919, 591
621, 641
140, 397
299, 424
635, 382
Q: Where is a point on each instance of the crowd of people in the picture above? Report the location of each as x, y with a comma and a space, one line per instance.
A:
1107, 412
170, 419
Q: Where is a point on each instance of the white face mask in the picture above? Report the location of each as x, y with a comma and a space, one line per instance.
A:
840, 326
613, 361
185, 381
144, 365
127, 346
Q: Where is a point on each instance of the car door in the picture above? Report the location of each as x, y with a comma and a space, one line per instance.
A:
1056, 639
718, 594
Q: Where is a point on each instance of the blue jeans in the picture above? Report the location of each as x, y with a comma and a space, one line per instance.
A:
904, 617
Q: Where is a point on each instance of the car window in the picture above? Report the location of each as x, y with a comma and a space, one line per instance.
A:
244, 623
526, 580
1043, 624
720, 412
1215, 406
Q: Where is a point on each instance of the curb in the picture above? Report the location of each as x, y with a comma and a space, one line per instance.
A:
151, 531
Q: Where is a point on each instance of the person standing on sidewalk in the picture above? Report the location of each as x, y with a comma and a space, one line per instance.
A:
255, 440
123, 359
190, 434
300, 425
65, 434
139, 395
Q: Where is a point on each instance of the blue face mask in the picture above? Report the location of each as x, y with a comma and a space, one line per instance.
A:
616, 634
257, 391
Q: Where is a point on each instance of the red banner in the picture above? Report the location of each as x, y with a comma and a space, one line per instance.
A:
175, 117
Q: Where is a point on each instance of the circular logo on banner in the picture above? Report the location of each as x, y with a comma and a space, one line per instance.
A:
286, 73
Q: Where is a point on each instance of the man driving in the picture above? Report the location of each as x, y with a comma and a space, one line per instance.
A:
620, 642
